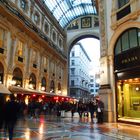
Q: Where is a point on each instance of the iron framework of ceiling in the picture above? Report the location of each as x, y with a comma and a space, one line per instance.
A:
67, 10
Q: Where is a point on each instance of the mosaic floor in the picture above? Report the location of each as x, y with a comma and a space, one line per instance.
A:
53, 128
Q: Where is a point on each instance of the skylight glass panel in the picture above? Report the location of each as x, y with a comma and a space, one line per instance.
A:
86, 1
75, 2
67, 10
64, 6
57, 13
77, 10
81, 10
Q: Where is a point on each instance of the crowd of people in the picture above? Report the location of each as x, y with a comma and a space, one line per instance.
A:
95, 107
13, 109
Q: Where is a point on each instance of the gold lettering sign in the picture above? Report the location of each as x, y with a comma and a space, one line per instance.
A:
130, 59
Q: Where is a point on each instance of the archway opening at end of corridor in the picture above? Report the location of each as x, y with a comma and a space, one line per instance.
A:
84, 68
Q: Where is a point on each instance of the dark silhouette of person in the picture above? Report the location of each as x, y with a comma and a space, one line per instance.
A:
100, 110
73, 109
1, 111
92, 108
11, 115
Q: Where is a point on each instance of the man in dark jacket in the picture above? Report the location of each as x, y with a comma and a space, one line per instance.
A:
100, 110
11, 115
92, 108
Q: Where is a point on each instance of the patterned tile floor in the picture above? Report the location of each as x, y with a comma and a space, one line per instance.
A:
53, 128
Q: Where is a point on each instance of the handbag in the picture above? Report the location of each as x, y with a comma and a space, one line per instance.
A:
98, 109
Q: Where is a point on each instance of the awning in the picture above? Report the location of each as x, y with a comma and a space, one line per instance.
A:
20, 90
4, 90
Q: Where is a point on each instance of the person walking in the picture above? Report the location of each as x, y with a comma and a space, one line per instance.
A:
92, 106
100, 109
11, 113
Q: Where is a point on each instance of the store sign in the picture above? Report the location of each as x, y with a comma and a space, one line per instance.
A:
127, 59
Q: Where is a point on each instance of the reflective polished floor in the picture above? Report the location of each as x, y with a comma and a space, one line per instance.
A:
67, 128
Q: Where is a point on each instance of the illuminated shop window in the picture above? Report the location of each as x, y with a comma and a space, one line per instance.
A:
128, 98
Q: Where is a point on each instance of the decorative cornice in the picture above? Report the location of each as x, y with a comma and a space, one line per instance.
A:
129, 17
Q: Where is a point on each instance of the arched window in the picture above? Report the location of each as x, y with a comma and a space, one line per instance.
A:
43, 84
17, 77
52, 86
59, 86
127, 40
32, 81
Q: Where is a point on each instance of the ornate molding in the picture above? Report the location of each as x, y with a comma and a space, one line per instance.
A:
102, 28
130, 17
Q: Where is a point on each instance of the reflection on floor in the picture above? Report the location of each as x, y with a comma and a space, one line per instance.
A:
54, 128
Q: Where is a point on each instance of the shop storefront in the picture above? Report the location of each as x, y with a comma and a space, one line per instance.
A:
127, 76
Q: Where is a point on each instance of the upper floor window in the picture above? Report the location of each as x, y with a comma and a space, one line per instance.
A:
23, 4
46, 28
96, 90
34, 57
2, 36
60, 42
54, 36
121, 3
20, 48
72, 71
72, 83
97, 85
91, 80
91, 85
73, 53
72, 62
45, 64
36, 17
91, 90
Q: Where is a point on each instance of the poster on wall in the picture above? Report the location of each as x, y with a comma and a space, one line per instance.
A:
86, 22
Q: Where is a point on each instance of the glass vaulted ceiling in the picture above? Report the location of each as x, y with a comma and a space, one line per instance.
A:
67, 10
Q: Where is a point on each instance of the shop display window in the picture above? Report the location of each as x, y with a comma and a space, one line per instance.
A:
128, 98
